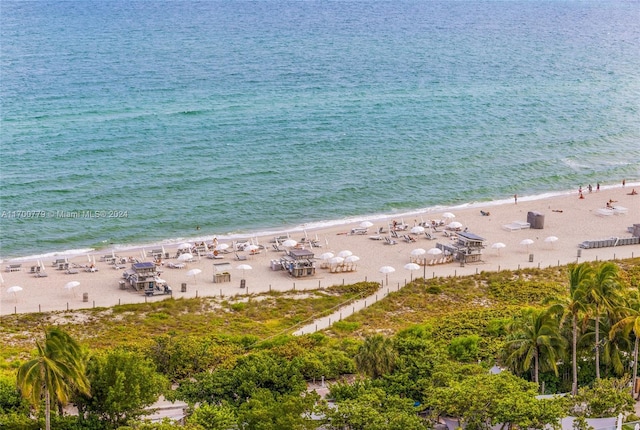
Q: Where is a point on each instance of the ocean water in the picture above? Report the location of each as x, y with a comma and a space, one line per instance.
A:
135, 122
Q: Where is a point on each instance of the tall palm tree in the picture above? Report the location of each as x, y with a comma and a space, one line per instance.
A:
58, 368
536, 341
630, 323
573, 306
603, 294
376, 356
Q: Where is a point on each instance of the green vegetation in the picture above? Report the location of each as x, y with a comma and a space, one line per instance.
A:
421, 353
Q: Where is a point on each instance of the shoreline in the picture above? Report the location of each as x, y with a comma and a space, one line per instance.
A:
299, 228
570, 219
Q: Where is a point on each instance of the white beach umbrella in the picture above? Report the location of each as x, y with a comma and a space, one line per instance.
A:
411, 267
244, 267
336, 260
185, 245
326, 255
454, 225
351, 259
551, 239
366, 224
498, 246
71, 286
289, 243
526, 242
185, 257
448, 215
251, 248
14, 290
222, 247
345, 253
418, 229
418, 252
194, 272
434, 252
386, 270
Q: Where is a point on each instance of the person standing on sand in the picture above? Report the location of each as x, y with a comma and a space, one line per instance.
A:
597, 187
624, 181
515, 197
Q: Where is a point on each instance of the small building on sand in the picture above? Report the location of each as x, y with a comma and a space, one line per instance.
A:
467, 248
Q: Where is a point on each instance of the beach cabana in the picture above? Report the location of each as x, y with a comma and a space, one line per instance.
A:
299, 263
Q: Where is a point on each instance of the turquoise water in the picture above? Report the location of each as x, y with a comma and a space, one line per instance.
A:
133, 122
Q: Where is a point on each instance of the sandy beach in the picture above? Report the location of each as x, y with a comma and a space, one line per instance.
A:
570, 219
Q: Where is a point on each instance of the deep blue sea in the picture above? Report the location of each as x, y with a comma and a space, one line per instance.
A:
133, 122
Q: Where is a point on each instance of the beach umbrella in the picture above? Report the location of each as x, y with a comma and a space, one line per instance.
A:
498, 246
251, 249
289, 243
185, 245
454, 225
336, 260
418, 229
386, 270
411, 267
434, 251
351, 259
326, 255
185, 257
15, 289
418, 252
448, 215
345, 253
366, 224
526, 242
551, 240
71, 285
222, 247
194, 272
244, 267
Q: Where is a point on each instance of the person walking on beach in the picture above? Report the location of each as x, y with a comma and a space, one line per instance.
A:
590, 188
597, 187
624, 181
515, 197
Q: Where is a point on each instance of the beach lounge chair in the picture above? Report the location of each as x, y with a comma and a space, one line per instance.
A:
389, 241
620, 210
240, 257
359, 230
604, 212
429, 236
71, 272
511, 227
14, 267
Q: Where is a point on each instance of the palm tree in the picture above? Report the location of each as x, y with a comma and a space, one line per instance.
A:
536, 341
603, 295
573, 306
58, 368
627, 325
376, 356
